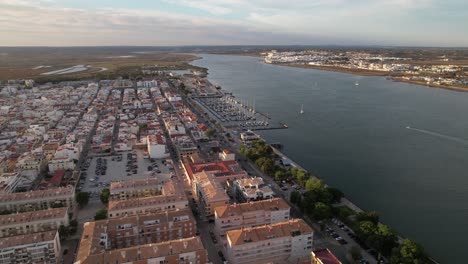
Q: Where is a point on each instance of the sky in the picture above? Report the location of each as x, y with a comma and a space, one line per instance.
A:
233, 22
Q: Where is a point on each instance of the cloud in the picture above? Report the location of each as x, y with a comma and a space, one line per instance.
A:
30, 24
229, 22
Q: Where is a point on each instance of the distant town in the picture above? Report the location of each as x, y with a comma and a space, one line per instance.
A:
440, 72
167, 168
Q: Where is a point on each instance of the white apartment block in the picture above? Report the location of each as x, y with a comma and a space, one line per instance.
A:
34, 248
285, 242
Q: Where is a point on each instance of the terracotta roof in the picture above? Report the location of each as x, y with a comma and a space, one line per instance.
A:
33, 216
28, 239
38, 195
274, 204
134, 184
254, 234
140, 253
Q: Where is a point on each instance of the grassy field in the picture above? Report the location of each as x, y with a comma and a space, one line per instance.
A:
20, 63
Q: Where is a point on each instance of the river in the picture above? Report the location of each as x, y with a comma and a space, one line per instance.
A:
396, 148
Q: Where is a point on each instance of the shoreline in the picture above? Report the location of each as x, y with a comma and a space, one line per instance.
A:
374, 73
345, 201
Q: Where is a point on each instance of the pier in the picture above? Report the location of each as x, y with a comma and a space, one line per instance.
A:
281, 126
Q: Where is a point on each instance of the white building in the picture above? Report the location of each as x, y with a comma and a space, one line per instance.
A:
156, 146
32, 248
249, 137
250, 189
226, 155
60, 163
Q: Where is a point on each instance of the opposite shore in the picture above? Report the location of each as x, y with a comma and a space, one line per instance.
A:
397, 78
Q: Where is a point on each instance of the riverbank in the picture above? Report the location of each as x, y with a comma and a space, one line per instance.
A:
361, 72
337, 69
447, 87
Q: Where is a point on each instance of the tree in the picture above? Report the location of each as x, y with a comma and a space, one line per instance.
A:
336, 194
308, 201
242, 149
301, 178
293, 172
82, 198
409, 252
101, 214
355, 252
266, 165
295, 197
314, 184
73, 223
384, 239
368, 216
63, 232
365, 229
210, 132
280, 175
342, 212
105, 194
321, 211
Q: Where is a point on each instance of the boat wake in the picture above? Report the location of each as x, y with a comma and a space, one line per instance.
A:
435, 134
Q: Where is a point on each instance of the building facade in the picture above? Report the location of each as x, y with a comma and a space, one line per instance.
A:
236, 216
38, 200
285, 242
35, 248
33, 222
252, 189
209, 192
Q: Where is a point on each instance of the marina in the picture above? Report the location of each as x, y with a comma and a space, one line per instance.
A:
237, 113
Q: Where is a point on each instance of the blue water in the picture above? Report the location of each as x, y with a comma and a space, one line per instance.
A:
356, 138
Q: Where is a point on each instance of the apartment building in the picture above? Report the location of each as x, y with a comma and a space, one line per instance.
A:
33, 222
61, 163
171, 198
209, 192
226, 170
123, 232
124, 190
251, 189
38, 200
236, 216
285, 242
187, 250
184, 146
41, 247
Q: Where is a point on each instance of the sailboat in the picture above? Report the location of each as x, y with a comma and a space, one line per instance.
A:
302, 109
356, 83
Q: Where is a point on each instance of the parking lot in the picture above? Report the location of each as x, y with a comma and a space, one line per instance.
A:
124, 166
